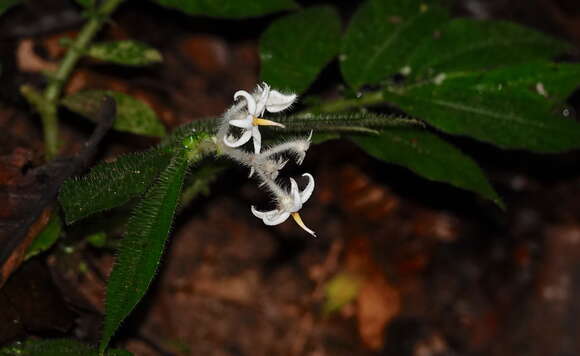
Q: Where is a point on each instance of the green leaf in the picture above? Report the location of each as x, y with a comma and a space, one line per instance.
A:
467, 45
142, 246
295, 48
516, 108
55, 347
87, 4
111, 184
383, 34
47, 237
229, 8
125, 52
132, 115
5, 5
429, 156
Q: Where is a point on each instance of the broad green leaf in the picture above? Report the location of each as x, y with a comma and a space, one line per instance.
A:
295, 48
111, 184
229, 8
56, 347
383, 34
132, 115
467, 45
125, 52
47, 237
142, 246
5, 5
554, 81
429, 156
511, 108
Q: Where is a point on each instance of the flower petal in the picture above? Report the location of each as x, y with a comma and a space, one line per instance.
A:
276, 219
278, 102
307, 192
250, 102
261, 104
295, 193
257, 139
242, 123
263, 214
243, 139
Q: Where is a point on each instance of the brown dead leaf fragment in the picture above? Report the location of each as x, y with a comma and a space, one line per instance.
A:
31, 199
378, 301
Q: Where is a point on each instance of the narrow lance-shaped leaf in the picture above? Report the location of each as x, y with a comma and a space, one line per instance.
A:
508, 108
132, 115
142, 246
429, 156
111, 184
125, 52
466, 45
229, 8
56, 347
295, 48
383, 34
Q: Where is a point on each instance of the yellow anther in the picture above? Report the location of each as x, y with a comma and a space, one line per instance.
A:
262, 122
296, 216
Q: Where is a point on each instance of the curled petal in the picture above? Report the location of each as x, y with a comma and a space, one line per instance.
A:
295, 194
242, 123
276, 219
257, 139
243, 139
261, 104
263, 214
278, 102
307, 192
250, 102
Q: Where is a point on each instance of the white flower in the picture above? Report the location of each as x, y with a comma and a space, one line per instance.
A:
289, 204
263, 99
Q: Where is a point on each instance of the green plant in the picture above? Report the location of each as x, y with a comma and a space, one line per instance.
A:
491, 81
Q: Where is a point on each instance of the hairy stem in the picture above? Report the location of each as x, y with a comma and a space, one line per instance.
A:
47, 106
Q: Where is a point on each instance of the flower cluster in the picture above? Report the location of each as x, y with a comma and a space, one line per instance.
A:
245, 117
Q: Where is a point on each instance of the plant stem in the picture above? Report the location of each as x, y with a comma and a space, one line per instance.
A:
47, 108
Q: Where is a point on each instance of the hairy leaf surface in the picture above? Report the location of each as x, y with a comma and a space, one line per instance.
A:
142, 246
111, 184
518, 108
429, 156
295, 48
132, 115
468, 45
383, 34
125, 52
229, 8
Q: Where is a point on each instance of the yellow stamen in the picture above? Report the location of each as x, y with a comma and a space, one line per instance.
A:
262, 122
300, 223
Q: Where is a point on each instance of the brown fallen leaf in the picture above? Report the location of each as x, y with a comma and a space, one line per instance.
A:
28, 203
